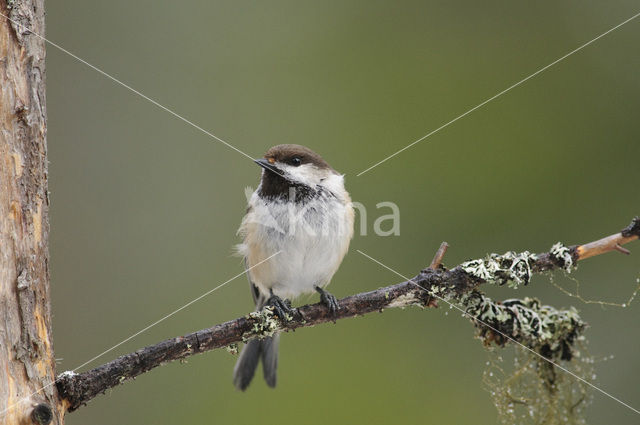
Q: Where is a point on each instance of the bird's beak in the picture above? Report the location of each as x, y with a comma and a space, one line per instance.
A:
264, 163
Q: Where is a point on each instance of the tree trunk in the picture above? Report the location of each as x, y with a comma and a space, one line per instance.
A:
26, 351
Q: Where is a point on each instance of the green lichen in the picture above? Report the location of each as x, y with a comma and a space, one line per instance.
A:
563, 254
406, 300
534, 392
544, 329
511, 268
232, 348
265, 322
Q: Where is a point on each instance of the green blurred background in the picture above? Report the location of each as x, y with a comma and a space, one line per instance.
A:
144, 208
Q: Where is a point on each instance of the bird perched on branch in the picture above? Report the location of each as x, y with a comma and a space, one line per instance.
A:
301, 212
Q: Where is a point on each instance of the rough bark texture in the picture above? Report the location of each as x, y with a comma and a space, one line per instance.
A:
26, 352
78, 389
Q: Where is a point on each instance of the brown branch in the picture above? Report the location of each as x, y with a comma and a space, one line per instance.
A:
78, 389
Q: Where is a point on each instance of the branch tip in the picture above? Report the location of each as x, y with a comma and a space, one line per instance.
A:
611, 243
621, 249
632, 229
437, 259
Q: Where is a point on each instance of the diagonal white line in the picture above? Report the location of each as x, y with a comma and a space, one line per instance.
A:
501, 333
499, 94
126, 86
140, 331
174, 312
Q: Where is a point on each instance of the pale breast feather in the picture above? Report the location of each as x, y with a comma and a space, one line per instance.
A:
312, 239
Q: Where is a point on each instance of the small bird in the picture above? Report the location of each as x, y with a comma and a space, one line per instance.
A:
301, 211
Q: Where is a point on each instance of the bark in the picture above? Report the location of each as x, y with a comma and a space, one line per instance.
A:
26, 351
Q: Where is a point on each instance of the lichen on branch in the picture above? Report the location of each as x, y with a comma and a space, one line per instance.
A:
513, 269
549, 332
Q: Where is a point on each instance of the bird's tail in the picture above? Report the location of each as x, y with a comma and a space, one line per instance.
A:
265, 349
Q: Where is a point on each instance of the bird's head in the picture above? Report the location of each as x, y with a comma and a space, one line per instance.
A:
286, 166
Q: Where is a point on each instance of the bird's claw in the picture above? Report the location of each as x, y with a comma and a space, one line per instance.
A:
328, 300
281, 308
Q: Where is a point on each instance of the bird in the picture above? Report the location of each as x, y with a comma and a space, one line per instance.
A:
302, 217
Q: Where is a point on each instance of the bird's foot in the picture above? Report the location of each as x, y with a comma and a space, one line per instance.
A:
281, 308
329, 300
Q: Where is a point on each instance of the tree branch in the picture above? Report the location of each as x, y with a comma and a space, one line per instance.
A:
512, 268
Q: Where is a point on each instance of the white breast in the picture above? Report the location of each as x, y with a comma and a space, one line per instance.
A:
312, 239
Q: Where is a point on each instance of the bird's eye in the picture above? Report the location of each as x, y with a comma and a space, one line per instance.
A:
295, 161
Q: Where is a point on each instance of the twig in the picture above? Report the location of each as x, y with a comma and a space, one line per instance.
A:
437, 259
625, 251
77, 389
435, 264
611, 243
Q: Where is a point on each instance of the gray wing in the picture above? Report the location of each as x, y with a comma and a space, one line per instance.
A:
258, 298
